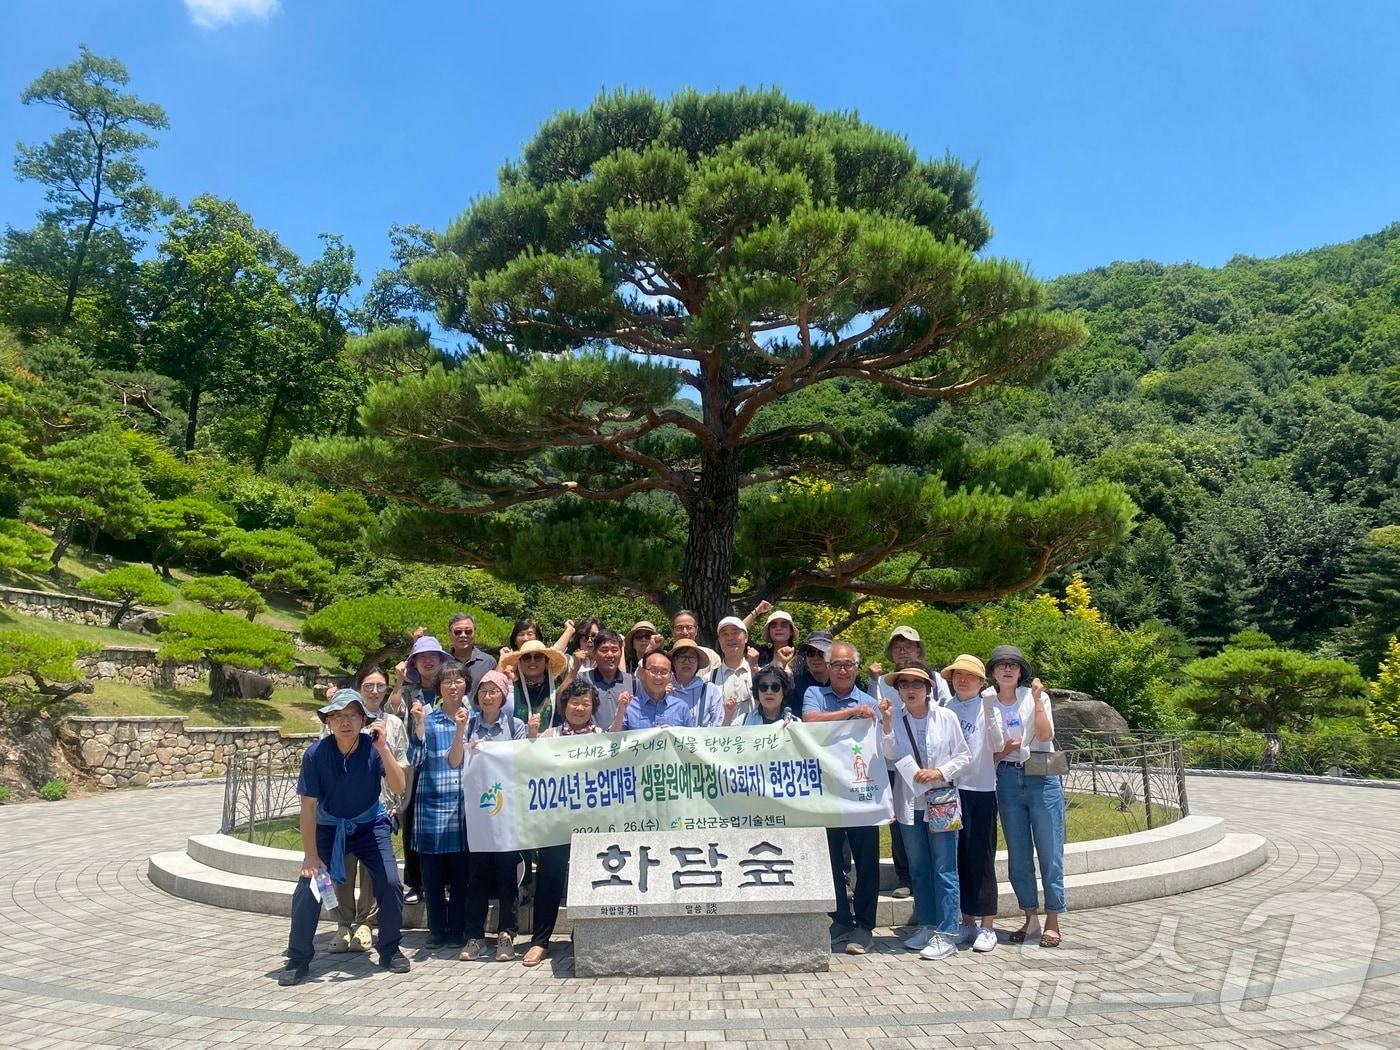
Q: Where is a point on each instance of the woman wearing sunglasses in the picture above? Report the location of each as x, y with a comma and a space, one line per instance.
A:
771, 683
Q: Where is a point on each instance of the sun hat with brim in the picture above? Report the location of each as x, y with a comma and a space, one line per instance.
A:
426, 644
821, 641
908, 672
556, 659
342, 699
777, 614
687, 645
905, 632
1009, 654
641, 625
966, 662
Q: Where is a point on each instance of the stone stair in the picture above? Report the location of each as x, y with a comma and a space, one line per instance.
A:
1189, 854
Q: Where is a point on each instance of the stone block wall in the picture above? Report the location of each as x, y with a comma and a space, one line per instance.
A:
66, 608
134, 751
138, 665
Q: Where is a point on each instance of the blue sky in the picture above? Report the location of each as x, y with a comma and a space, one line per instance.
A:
1102, 131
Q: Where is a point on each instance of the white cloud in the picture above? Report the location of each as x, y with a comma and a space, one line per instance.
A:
212, 13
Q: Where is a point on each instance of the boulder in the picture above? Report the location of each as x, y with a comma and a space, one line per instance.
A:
1077, 713
247, 685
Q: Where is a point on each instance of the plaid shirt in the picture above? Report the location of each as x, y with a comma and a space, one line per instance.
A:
439, 823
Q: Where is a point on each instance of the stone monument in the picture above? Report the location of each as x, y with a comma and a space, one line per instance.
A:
687, 903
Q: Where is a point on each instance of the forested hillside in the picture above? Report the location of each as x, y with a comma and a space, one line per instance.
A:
1251, 411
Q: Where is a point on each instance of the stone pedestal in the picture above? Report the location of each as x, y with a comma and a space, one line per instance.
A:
673, 903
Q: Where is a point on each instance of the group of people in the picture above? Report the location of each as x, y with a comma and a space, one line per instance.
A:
959, 742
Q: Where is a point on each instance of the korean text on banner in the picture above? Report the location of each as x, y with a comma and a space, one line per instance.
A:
525, 794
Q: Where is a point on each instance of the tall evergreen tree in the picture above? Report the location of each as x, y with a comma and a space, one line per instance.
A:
1219, 594
738, 249
98, 199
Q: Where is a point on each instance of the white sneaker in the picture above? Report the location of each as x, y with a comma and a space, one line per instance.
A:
940, 946
985, 940
920, 939
967, 933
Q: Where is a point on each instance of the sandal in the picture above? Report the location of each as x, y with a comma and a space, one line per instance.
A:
1049, 939
1019, 936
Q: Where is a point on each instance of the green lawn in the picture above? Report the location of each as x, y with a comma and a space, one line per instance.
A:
1087, 817
293, 710
94, 637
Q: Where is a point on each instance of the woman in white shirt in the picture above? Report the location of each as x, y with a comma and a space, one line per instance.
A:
932, 740
977, 792
1032, 807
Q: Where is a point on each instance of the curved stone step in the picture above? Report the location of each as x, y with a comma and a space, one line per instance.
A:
1177, 839
1174, 840
1229, 857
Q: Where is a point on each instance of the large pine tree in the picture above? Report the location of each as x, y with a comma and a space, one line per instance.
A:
653, 291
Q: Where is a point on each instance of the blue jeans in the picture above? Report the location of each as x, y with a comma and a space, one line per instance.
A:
933, 874
1033, 822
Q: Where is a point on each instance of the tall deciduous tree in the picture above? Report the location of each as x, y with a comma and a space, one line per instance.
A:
215, 301
740, 249
95, 185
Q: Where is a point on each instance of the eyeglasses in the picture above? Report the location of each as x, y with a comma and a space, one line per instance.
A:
374, 687
769, 687
842, 665
463, 631
532, 657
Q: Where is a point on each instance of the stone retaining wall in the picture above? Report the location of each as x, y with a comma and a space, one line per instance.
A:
138, 665
67, 608
134, 751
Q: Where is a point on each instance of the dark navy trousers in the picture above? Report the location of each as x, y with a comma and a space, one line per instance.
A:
370, 843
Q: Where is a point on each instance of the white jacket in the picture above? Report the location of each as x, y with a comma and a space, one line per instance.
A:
944, 749
982, 729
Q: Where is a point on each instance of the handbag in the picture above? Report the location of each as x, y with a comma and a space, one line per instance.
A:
943, 810
1046, 764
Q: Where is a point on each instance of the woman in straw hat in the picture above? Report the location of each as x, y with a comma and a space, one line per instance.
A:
779, 645
640, 640
688, 662
539, 672
926, 744
1032, 807
977, 795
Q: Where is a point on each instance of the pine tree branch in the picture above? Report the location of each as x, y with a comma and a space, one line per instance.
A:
904, 592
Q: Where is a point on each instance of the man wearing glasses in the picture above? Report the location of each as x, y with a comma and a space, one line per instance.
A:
837, 701
461, 629
655, 705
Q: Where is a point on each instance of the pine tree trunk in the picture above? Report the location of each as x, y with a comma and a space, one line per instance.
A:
192, 410
63, 536
265, 439
1273, 747
122, 610
712, 508
216, 680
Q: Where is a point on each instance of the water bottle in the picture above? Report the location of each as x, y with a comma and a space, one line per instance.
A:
325, 888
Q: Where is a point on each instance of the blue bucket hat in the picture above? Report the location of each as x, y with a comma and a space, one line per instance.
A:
342, 699
426, 644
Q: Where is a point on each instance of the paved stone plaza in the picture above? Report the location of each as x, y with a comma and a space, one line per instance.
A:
93, 955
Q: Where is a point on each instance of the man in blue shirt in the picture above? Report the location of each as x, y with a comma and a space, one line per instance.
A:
656, 705
840, 700
608, 679
341, 778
